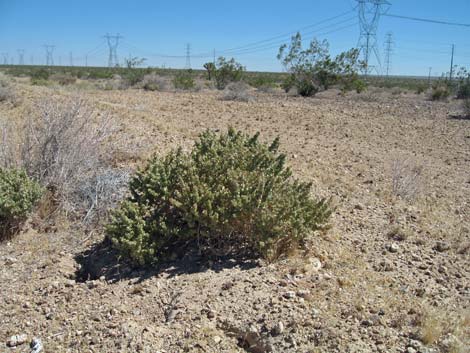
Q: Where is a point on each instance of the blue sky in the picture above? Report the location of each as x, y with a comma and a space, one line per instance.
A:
160, 30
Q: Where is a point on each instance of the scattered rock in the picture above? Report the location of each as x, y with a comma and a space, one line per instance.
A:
289, 294
36, 345
393, 248
442, 246
278, 329
17, 340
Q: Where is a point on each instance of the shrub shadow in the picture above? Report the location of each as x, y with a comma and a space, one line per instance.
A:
459, 117
101, 260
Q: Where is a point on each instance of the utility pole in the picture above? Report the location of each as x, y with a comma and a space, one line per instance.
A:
429, 77
5, 58
388, 52
86, 60
20, 56
113, 42
71, 58
188, 57
49, 54
214, 56
452, 63
369, 12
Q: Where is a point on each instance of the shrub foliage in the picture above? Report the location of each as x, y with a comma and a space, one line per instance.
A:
313, 69
18, 194
227, 71
232, 193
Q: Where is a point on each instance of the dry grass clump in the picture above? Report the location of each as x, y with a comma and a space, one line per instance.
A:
154, 82
61, 148
7, 93
466, 107
237, 91
407, 179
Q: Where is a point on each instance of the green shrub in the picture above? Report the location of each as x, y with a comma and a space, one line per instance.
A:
184, 80
313, 68
39, 74
288, 83
463, 90
227, 71
63, 79
18, 194
231, 191
440, 92
262, 82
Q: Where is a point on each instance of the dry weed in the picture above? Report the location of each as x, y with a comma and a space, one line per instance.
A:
407, 179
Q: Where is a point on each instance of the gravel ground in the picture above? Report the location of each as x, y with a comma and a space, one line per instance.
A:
391, 275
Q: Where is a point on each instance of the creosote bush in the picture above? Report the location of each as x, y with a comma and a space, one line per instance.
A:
18, 195
231, 194
440, 92
237, 91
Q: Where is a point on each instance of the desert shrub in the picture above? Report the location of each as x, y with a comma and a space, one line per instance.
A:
184, 80
358, 85
440, 91
313, 69
7, 93
231, 194
237, 91
154, 82
132, 76
18, 195
63, 79
61, 148
288, 83
210, 68
100, 73
263, 83
466, 107
39, 74
407, 179
227, 71
421, 89
463, 90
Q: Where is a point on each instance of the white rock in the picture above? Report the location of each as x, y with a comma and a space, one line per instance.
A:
17, 340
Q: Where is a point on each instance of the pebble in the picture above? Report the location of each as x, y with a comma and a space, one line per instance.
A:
442, 246
17, 340
289, 294
393, 248
278, 329
36, 345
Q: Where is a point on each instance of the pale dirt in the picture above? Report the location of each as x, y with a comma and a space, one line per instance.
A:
364, 298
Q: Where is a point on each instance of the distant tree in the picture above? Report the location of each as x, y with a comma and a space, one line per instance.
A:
134, 62
210, 67
313, 69
227, 71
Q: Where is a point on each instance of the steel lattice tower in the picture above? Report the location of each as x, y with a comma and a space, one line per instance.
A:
49, 56
188, 57
388, 52
369, 12
5, 58
20, 56
113, 42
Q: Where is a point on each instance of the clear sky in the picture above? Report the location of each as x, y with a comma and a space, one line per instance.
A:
159, 30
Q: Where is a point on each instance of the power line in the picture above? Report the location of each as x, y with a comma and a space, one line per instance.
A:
429, 20
49, 54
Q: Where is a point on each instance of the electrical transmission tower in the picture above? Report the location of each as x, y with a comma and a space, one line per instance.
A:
369, 12
71, 58
388, 52
5, 58
188, 57
20, 56
49, 56
113, 42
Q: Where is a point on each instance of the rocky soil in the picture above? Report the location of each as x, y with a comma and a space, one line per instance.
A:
391, 275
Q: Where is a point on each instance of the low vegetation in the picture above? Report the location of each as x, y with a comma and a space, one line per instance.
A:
227, 71
232, 193
18, 195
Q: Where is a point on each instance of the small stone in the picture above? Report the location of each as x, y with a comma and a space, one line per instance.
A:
17, 340
393, 248
304, 293
211, 314
278, 329
36, 345
442, 246
289, 294
411, 350
217, 339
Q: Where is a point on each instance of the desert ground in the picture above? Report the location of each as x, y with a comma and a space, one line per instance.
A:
392, 274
